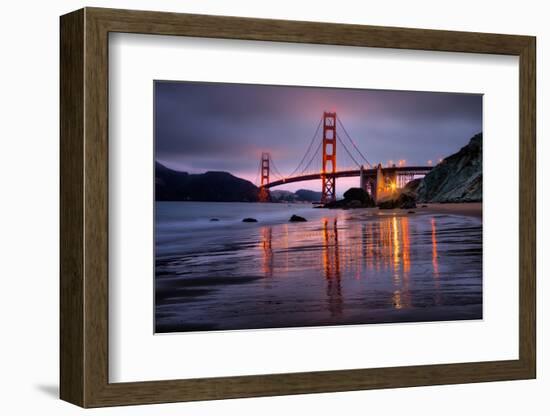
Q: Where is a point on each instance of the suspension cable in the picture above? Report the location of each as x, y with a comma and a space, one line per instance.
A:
274, 168
258, 173
308, 148
312, 157
347, 150
353, 143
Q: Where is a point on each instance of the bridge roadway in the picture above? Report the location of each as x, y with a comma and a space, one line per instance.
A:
371, 173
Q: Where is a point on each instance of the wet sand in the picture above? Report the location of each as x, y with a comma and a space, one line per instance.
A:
471, 209
341, 267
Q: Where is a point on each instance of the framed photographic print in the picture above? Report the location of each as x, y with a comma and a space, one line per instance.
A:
256, 207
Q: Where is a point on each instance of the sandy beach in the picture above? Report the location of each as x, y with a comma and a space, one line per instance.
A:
472, 209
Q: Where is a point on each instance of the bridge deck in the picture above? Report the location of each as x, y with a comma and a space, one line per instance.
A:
404, 170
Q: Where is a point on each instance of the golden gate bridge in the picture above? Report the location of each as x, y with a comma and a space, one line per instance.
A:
377, 180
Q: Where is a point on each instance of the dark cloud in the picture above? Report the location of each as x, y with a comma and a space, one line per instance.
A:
214, 126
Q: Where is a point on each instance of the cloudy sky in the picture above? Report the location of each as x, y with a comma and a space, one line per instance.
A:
216, 126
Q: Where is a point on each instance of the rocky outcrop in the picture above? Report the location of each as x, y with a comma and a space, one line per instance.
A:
297, 218
353, 198
403, 200
411, 187
458, 178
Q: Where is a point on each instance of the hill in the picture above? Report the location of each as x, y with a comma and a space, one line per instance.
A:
301, 195
172, 185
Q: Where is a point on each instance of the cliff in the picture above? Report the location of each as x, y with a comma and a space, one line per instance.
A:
458, 178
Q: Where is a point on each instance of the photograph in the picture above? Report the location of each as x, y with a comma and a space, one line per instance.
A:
289, 206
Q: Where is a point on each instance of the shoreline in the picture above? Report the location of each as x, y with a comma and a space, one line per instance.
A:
282, 212
469, 209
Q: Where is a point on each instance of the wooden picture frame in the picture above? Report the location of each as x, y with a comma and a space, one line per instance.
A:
84, 207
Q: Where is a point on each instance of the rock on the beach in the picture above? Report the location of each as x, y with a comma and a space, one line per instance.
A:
387, 204
250, 220
360, 196
403, 200
353, 198
297, 218
406, 201
354, 203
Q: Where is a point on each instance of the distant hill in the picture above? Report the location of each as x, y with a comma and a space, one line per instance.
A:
458, 178
278, 195
172, 185
301, 195
307, 195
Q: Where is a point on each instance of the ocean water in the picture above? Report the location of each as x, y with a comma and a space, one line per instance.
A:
362, 266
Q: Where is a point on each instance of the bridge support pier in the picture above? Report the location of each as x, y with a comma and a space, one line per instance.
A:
387, 182
366, 183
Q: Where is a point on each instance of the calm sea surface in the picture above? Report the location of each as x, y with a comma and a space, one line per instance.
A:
341, 267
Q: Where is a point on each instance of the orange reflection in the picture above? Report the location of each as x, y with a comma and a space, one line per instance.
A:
406, 247
390, 249
396, 298
331, 266
396, 248
349, 247
267, 251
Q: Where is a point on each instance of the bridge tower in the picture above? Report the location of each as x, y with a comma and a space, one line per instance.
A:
329, 158
264, 167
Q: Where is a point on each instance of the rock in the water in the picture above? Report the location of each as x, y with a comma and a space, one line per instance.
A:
336, 204
358, 194
458, 178
406, 201
354, 203
387, 204
297, 218
411, 212
353, 198
250, 220
403, 200
214, 219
